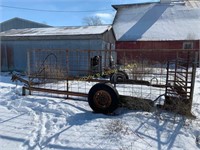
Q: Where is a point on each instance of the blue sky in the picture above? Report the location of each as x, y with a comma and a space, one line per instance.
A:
75, 10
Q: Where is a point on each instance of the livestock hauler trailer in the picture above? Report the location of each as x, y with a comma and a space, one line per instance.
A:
106, 78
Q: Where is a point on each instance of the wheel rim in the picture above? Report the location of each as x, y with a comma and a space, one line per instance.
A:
119, 77
102, 99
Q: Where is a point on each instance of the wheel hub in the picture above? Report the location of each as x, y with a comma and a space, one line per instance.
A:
102, 99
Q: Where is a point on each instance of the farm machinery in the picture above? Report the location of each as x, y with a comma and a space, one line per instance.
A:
106, 78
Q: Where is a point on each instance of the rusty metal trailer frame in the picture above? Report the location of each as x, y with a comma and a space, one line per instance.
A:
174, 89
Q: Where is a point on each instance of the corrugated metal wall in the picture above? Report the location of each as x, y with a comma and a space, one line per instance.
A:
160, 46
6, 58
154, 44
14, 53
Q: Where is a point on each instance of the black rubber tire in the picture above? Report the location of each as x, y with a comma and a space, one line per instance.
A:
94, 99
119, 75
124, 73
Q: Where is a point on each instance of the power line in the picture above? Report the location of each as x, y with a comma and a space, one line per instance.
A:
57, 11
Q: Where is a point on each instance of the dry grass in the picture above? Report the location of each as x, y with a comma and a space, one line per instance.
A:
51, 71
135, 103
141, 70
116, 129
179, 106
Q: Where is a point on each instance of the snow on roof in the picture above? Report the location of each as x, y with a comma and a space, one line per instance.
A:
84, 30
156, 21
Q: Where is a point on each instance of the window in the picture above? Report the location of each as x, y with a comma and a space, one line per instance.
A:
188, 45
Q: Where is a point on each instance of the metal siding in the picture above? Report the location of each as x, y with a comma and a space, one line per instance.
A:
20, 49
4, 65
10, 57
7, 62
109, 37
153, 45
20, 55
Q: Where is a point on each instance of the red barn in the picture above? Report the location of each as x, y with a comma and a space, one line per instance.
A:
165, 25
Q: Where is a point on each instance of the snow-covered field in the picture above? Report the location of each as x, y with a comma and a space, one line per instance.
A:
39, 122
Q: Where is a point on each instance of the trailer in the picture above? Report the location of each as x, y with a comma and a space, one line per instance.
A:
105, 78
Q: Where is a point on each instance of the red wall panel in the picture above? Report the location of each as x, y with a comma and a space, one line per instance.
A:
154, 44
155, 47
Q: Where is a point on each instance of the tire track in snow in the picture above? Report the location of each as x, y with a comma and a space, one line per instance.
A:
48, 121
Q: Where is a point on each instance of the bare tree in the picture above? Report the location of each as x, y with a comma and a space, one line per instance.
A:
92, 21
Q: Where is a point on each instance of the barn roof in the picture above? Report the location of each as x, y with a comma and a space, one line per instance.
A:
56, 31
157, 21
84, 32
19, 23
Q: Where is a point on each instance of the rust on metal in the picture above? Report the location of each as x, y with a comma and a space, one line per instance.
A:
170, 72
56, 91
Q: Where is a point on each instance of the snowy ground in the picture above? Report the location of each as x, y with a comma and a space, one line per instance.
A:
39, 122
